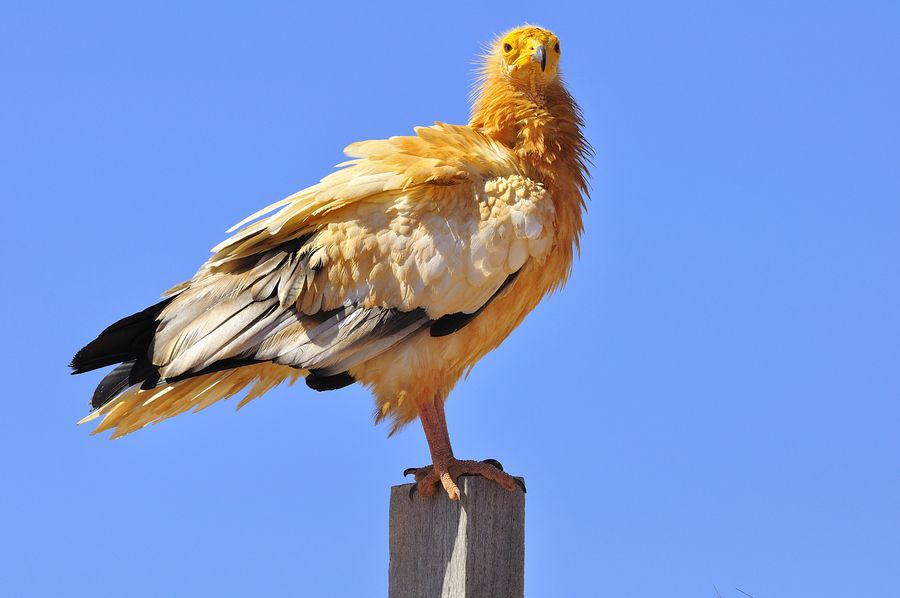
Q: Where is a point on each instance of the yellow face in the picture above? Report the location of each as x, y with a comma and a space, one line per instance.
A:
530, 52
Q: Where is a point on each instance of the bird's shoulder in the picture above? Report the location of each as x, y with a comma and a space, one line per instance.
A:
417, 167
439, 153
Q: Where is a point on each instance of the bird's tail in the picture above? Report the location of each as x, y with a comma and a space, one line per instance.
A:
136, 407
132, 395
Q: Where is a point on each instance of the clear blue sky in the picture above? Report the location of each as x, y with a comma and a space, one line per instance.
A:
711, 403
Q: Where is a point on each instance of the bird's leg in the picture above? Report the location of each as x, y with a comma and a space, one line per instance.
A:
434, 422
445, 468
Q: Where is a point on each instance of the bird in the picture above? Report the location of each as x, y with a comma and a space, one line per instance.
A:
398, 271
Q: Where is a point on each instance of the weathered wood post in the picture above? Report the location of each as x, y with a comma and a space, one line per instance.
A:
474, 548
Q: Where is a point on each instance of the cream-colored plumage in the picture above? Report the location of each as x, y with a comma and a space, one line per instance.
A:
349, 276
434, 225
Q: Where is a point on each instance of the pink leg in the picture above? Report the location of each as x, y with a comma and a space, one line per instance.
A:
446, 468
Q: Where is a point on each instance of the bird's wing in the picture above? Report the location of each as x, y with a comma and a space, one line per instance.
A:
415, 231
439, 155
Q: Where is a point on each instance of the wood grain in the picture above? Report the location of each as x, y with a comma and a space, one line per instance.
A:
474, 548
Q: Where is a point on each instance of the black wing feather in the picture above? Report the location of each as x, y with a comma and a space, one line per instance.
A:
126, 340
451, 323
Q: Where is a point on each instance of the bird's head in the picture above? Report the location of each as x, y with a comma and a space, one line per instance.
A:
529, 54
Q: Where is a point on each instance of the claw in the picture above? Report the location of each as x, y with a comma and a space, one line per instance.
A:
495, 463
491, 469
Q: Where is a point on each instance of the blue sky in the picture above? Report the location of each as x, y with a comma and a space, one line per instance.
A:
711, 404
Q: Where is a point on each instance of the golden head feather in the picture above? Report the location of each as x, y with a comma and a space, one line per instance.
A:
527, 54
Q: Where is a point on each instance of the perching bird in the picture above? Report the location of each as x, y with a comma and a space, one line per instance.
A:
398, 271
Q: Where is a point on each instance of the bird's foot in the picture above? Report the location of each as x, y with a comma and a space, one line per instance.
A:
447, 472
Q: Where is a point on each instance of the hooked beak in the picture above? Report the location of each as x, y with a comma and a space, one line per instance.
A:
540, 55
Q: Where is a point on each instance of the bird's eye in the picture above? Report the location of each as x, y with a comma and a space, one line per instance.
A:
556, 47
507, 48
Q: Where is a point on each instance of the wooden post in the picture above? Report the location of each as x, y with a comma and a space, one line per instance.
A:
474, 548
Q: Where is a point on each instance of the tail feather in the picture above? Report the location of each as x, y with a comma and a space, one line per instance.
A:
112, 384
123, 376
136, 407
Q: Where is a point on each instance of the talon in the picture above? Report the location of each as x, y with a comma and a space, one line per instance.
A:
431, 478
495, 463
520, 484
